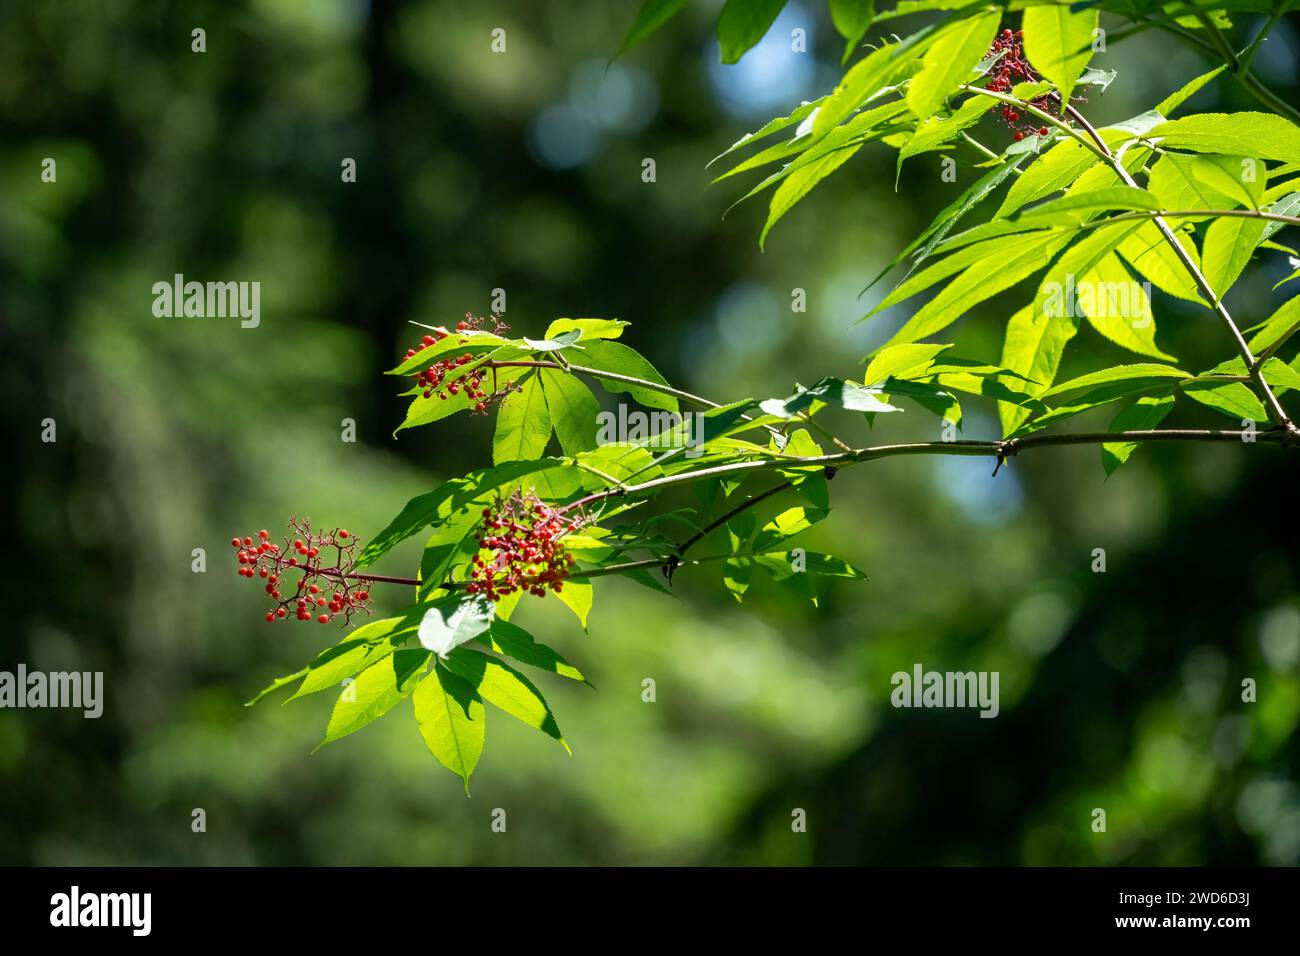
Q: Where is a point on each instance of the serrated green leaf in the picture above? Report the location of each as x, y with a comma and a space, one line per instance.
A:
1170, 103
1144, 372
452, 720
1151, 255
1145, 413
577, 596
523, 426
451, 497
375, 691
513, 641
1058, 168
1232, 134
1033, 346
619, 358
590, 328
1229, 244
572, 409
1058, 43
1173, 181
1240, 178
1016, 259
1278, 327
901, 361
865, 79
798, 184
1233, 399
1118, 307
276, 685
950, 61
502, 686
936, 131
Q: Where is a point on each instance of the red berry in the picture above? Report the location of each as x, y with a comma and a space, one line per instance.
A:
324, 618
1019, 136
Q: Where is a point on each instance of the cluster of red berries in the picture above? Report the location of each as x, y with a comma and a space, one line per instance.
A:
1010, 69
342, 594
438, 376
521, 548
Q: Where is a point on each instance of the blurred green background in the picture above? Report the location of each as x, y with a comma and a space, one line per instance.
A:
522, 171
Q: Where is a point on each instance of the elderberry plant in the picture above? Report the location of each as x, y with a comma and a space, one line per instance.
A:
1183, 203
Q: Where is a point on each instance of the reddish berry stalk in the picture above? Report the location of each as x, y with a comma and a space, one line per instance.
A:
323, 590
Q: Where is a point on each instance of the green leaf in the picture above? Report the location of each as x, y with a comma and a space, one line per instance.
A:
616, 357
513, 641
1233, 399
1233, 134
452, 496
1229, 244
852, 19
737, 575
901, 361
936, 131
375, 691
573, 410
562, 341
523, 423
938, 401
865, 79
1145, 413
1033, 346
452, 720
798, 184
743, 23
652, 15
1278, 327
786, 525
590, 328
454, 620
1118, 307
951, 214
577, 596
950, 60
1059, 167
793, 118
502, 686
468, 341
1170, 103
276, 685
1144, 372
1058, 43
830, 391
1151, 255
1174, 182
1241, 178
1016, 259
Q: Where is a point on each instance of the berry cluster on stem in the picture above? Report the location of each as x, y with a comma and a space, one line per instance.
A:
439, 377
1011, 68
521, 548
323, 591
